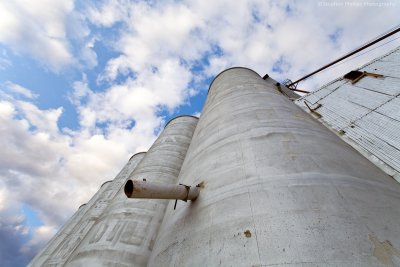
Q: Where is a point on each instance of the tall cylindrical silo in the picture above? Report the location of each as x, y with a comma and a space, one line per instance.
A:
125, 232
57, 252
53, 243
280, 189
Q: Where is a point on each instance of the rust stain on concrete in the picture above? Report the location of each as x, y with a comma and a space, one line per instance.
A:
247, 233
384, 251
202, 184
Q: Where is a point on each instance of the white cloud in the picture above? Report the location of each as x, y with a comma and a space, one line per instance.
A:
37, 157
47, 30
3, 197
5, 61
107, 13
87, 54
6, 109
52, 168
41, 234
37, 28
16, 88
156, 46
154, 34
141, 98
80, 91
257, 34
265, 33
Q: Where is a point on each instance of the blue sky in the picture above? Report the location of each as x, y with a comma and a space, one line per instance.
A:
84, 85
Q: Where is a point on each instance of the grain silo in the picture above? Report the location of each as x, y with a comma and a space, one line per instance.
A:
71, 234
280, 189
277, 188
125, 232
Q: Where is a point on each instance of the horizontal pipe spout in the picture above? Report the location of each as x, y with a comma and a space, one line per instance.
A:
144, 189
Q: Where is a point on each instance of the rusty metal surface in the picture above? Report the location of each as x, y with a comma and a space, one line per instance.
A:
279, 189
366, 114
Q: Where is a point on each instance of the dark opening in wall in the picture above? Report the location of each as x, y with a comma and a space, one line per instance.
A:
353, 75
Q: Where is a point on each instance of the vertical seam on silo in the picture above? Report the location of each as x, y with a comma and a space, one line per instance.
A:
251, 205
254, 225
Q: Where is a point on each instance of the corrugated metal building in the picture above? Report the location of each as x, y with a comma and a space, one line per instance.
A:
364, 110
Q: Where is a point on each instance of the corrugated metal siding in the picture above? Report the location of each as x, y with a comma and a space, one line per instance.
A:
365, 114
392, 110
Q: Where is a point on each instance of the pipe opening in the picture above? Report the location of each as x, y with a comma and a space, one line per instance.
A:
128, 189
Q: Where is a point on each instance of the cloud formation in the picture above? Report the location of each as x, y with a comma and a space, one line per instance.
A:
160, 56
52, 32
37, 28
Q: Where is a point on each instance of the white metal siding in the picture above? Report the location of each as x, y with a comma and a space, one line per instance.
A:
365, 114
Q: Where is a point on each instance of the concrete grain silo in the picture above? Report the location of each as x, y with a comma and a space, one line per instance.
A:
124, 234
53, 243
58, 250
279, 189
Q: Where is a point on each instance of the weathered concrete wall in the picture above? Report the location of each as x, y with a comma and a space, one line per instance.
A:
125, 232
280, 189
45, 253
58, 250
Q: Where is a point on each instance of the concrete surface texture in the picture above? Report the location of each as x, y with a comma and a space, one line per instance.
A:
59, 249
279, 189
125, 232
65, 230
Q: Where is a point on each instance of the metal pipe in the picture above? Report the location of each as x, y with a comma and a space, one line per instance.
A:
144, 189
127, 230
281, 189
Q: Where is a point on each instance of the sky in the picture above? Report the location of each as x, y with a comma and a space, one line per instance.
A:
86, 84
